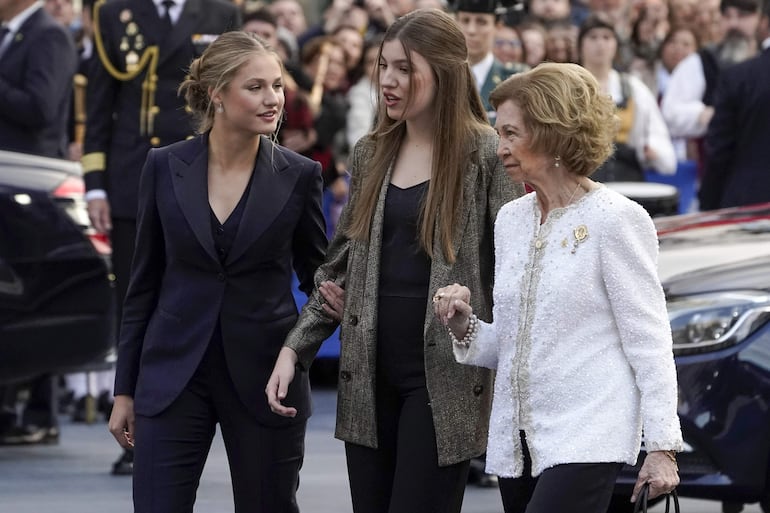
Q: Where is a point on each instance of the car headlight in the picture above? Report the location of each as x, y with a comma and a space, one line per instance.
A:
708, 322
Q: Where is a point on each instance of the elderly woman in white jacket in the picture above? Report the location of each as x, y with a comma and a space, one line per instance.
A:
580, 339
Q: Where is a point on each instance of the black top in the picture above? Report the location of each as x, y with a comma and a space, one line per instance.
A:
404, 265
224, 234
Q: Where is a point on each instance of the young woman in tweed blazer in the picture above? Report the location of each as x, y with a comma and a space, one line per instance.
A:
426, 187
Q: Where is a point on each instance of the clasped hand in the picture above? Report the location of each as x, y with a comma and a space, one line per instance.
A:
451, 304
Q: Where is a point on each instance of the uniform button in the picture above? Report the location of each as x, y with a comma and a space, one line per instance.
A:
221, 276
478, 389
220, 231
345, 375
155, 141
353, 320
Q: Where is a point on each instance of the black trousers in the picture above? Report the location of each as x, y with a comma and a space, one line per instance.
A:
402, 475
172, 447
574, 487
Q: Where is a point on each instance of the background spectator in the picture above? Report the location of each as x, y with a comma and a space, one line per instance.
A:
533, 36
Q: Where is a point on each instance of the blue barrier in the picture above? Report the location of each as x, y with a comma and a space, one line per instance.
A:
685, 180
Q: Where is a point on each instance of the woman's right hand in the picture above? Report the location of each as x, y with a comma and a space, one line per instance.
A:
334, 297
280, 379
121, 422
451, 304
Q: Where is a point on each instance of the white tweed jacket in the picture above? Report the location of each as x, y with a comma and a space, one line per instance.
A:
580, 340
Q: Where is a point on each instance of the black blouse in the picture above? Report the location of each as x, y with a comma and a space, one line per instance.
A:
404, 264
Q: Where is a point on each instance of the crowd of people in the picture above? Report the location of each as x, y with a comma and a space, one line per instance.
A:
399, 129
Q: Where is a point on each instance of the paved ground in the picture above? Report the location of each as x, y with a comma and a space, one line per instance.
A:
72, 477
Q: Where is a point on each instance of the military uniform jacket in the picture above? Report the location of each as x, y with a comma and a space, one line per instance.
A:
460, 395
497, 73
115, 140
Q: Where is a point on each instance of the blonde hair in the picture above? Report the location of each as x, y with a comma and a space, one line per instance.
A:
215, 69
458, 118
566, 113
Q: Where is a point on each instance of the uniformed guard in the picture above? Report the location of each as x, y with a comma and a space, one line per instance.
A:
477, 18
143, 49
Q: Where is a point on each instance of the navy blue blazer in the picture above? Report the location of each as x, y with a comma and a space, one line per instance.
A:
36, 73
179, 290
738, 138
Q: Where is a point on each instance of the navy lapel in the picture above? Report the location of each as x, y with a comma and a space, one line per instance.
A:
182, 31
189, 174
271, 187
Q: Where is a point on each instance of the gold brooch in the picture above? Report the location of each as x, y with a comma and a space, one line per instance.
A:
581, 234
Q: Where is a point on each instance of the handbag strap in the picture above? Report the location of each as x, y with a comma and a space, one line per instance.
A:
641, 502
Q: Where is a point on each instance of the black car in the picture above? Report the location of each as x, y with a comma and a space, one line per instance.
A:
55, 287
715, 269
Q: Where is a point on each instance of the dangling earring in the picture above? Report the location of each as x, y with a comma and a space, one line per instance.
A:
220, 108
557, 161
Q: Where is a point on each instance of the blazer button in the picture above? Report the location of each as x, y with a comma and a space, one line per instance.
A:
353, 320
345, 375
221, 276
478, 389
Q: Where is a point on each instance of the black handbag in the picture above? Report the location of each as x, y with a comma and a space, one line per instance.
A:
641, 501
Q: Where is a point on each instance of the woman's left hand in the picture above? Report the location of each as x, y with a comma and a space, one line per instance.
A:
660, 471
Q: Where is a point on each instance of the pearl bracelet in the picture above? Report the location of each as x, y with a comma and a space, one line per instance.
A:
470, 334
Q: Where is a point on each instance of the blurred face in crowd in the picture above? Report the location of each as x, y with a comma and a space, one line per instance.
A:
61, 10
598, 48
479, 31
264, 30
560, 44
356, 17
681, 44
708, 21
352, 43
289, 14
657, 10
408, 89
534, 44
508, 46
549, 10
336, 70
682, 12
743, 22
10, 8
401, 7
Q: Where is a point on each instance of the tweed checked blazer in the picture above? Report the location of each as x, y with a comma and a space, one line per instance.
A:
460, 395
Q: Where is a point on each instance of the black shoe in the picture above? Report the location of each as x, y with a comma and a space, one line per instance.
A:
27, 435
124, 466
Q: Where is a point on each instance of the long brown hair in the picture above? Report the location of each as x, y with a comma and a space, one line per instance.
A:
458, 118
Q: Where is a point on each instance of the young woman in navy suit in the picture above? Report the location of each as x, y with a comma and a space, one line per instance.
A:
224, 220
